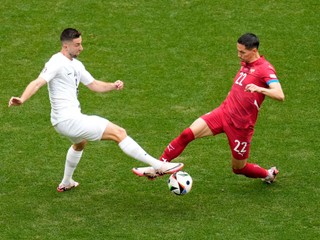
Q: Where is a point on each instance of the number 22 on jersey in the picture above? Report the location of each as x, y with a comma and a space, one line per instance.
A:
241, 78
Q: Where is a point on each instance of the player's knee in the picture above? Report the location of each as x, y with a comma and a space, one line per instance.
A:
114, 132
120, 134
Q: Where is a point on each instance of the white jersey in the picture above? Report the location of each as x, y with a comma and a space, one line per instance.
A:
63, 76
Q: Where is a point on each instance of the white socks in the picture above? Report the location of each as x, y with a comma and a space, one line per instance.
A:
127, 145
73, 158
132, 149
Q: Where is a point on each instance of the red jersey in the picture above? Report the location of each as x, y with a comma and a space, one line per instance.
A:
243, 107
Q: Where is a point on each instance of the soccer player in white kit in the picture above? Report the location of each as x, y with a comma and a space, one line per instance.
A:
63, 74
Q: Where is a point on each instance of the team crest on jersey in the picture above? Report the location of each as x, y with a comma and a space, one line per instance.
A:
252, 70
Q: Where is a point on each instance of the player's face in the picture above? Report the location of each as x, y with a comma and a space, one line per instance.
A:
74, 47
246, 55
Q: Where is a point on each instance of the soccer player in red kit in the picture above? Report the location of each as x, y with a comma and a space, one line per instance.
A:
237, 115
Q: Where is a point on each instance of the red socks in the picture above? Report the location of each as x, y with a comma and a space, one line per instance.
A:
252, 171
176, 147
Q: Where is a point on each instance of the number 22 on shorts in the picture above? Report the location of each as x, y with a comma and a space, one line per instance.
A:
240, 147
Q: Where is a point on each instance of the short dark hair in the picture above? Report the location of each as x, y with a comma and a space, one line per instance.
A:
69, 34
249, 40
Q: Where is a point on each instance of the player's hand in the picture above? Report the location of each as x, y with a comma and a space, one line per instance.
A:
119, 84
15, 101
252, 88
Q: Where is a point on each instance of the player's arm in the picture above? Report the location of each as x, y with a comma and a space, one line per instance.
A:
30, 90
274, 91
100, 86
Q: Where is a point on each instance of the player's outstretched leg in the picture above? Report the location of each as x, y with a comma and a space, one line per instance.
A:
174, 149
133, 149
176, 146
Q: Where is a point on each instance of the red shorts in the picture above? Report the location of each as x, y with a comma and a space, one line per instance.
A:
239, 139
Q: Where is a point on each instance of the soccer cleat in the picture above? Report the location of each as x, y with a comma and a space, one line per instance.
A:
169, 168
151, 173
63, 188
272, 173
148, 172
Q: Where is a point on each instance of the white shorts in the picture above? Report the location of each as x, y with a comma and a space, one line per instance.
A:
82, 127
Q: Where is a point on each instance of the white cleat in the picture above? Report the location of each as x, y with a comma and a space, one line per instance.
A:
273, 172
151, 173
63, 188
148, 172
169, 168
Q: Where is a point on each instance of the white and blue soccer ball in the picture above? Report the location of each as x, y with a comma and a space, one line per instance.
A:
180, 183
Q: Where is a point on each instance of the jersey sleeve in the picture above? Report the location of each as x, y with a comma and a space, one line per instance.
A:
49, 71
269, 74
86, 77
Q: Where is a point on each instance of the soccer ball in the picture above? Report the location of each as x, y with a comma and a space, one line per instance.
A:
180, 183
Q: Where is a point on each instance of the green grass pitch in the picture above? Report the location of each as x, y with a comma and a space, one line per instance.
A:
177, 59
